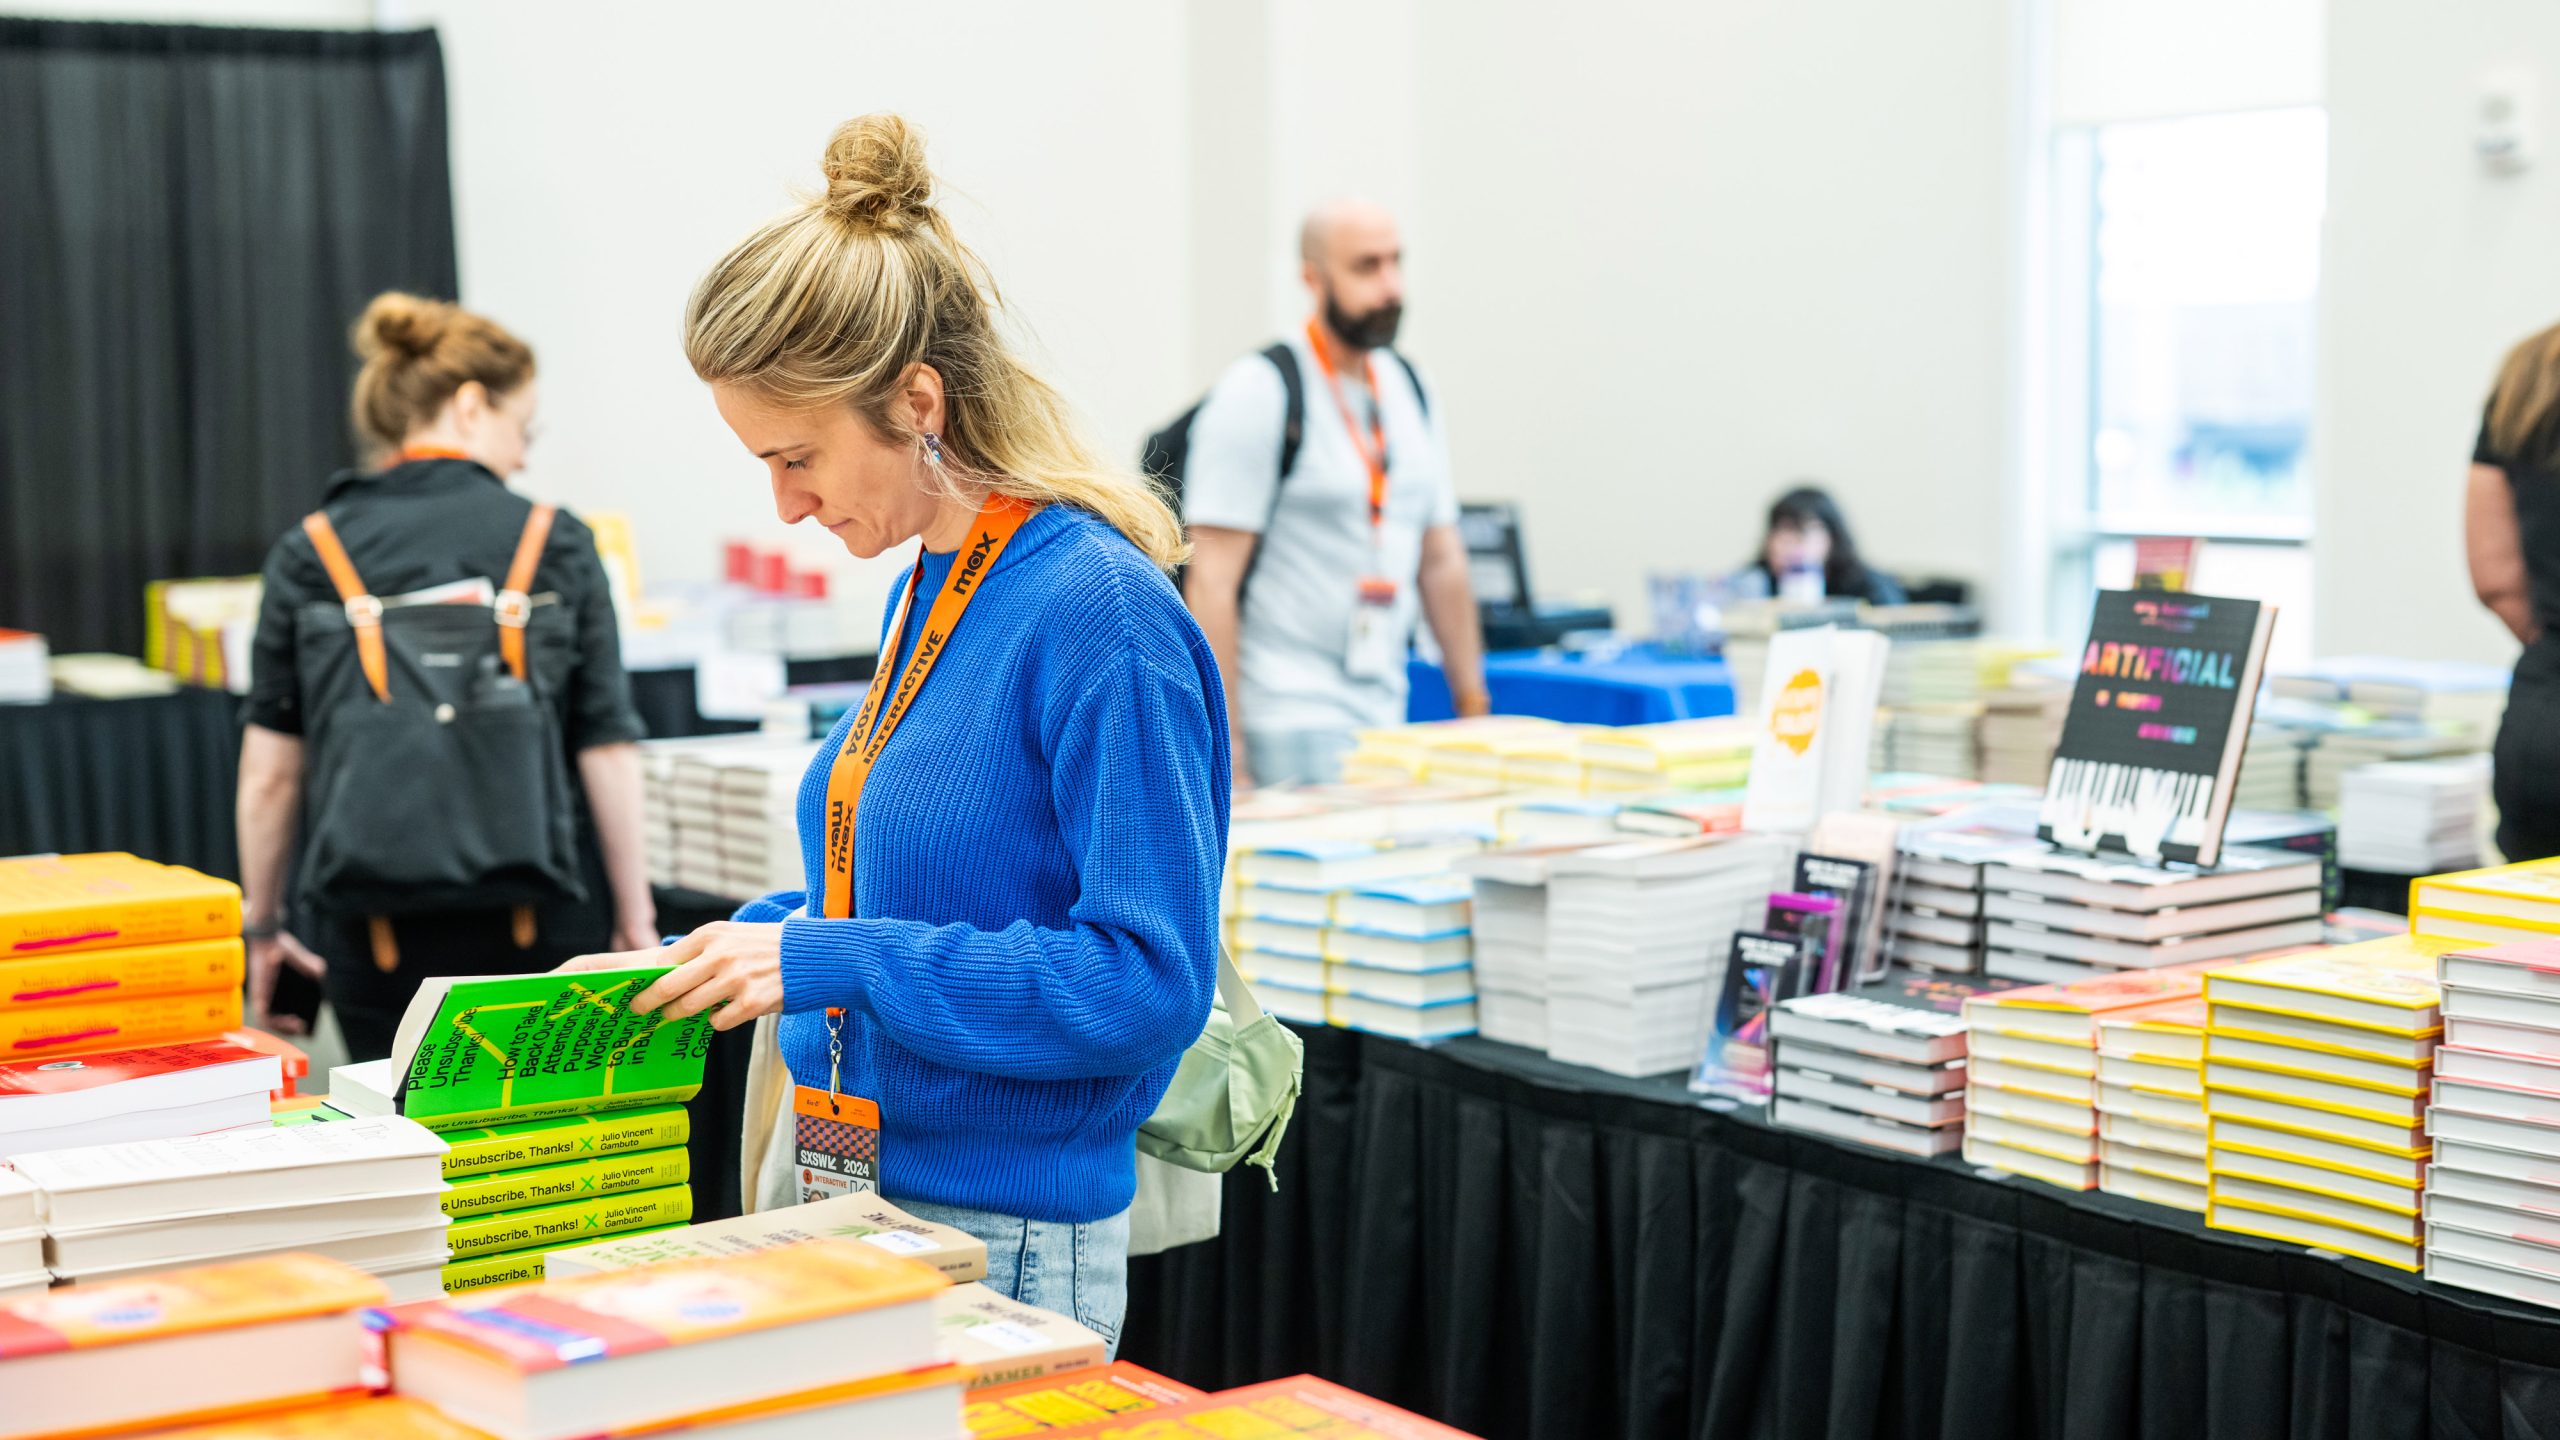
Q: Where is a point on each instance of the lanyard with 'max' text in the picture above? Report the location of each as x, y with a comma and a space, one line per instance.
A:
887, 704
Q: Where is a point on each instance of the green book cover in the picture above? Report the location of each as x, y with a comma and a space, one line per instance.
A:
307, 1115
560, 1184
552, 1227
570, 1137
480, 1050
513, 1267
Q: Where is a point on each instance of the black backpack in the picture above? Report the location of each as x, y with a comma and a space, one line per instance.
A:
1166, 456
436, 778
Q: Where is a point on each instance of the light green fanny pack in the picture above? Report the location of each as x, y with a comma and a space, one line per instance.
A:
1236, 1089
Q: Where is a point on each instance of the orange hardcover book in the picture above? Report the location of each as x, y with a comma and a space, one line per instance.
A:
913, 1402
374, 1417
215, 1341
646, 1346
116, 1024
1059, 1402
51, 904
86, 977
2070, 1013
1301, 1405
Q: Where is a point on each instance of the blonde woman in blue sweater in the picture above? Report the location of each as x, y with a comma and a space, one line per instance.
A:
1013, 853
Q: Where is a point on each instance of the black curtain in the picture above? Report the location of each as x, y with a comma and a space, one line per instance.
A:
191, 218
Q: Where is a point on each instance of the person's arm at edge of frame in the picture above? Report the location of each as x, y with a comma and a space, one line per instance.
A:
1449, 603
1213, 589
2495, 551
269, 803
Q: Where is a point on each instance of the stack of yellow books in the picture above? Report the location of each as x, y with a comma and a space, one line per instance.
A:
1410, 754
110, 952
2151, 1121
1675, 755
2494, 906
2033, 1081
2316, 1071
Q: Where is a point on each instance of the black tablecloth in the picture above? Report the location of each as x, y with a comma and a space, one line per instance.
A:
153, 775
665, 697
1522, 1248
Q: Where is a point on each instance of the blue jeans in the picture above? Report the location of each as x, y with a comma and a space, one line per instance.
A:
1297, 757
1081, 1271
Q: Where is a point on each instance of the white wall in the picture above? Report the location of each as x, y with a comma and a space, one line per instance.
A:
2432, 268
1680, 255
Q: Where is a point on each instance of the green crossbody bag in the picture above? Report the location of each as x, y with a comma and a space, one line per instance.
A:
1238, 1085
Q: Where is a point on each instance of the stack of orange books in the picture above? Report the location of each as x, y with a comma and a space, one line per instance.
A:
110, 952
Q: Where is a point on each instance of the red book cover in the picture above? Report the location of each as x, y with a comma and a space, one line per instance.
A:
110, 1067
1300, 1405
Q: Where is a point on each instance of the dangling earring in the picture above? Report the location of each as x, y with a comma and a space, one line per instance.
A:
933, 449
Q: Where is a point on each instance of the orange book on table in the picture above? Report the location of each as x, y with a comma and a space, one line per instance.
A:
1300, 1405
46, 1030
372, 1417
1050, 1403
87, 977
57, 904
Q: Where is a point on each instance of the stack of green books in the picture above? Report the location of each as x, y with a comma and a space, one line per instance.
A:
563, 1111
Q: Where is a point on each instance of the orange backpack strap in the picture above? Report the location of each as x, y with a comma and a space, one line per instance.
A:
515, 603
364, 613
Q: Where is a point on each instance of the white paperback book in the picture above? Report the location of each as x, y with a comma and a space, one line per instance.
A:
231, 1232
1797, 706
236, 1169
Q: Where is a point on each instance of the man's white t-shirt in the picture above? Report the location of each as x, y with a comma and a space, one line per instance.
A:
1298, 605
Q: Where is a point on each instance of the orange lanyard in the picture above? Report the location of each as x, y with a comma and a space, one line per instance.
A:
1373, 449
997, 523
427, 452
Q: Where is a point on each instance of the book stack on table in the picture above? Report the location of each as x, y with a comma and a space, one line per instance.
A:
1638, 934
2493, 1184
2316, 1081
2495, 906
2415, 817
1510, 920
564, 1111
22, 1269
1935, 920
1883, 1065
1368, 934
110, 952
2032, 1086
720, 812
2151, 1116
2056, 917
1712, 754
365, 1193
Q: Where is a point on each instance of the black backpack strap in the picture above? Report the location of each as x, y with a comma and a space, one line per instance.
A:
1293, 420
1419, 394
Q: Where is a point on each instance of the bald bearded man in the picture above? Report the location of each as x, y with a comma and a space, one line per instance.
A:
1353, 546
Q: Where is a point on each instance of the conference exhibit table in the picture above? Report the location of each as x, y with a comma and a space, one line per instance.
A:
154, 775
1528, 1249
1639, 686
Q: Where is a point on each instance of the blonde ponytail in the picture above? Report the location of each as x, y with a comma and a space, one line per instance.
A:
832, 304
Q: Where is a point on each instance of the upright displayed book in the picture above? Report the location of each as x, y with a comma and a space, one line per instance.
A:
2053, 916
1816, 714
2493, 1118
1638, 934
827, 1328
1883, 1065
113, 952
366, 1192
2317, 1069
2151, 745
213, 1341
556, 1073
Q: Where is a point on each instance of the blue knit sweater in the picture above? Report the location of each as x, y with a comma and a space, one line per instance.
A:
1036, 873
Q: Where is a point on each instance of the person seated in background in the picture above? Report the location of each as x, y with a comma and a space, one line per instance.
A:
1809, 554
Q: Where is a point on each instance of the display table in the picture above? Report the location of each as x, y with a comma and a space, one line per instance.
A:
1639, 687
153, 775
1527, 1249
665, 696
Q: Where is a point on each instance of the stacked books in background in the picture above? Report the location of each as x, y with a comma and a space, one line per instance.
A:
109, 1097
364, 1193
110, 952
2055, 916
26, 674
2151, 1116
1510, 917
2021, 725
1413, 754
2415, 817
2271, 763
2460, 697
1883, 1065
2495, 906
824, 1337
1637, 935
1676, 755
2033, 1073
1368, 934
2348, 744
1935, 920
720, 813
2316, 1078
22, 1269
249, 1337
565, 1110
2494, 1119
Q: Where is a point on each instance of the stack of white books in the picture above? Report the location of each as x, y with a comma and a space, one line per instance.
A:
2151, 1113
2037, 1100
734, 817
2020, 727
2350, 747
2413, 817
2056, 916
1399, 958
1560, 820
1929, 740
2494, 1120
157, 1092
1934, 919
368, 1193
1510, 918
26, 674
680, 833
1288, 893
2271, 767
22, 1269
1882, 1066
1638, 933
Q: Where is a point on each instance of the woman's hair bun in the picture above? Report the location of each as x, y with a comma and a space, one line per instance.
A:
402, 324
876, 175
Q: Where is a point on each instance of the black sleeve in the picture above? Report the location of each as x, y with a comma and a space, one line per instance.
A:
292, 579
600, 708
2482, 452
